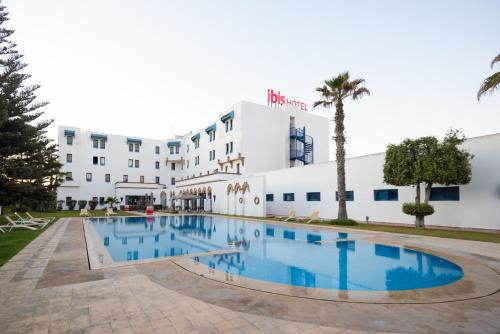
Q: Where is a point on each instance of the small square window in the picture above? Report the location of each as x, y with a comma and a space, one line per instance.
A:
137, 164
157, 149
131, 162
313, 197
89, 177
125, 178
107, 177
69, 157
95, 160
288, 197
69, 140
102, 161
157, 179
269, 197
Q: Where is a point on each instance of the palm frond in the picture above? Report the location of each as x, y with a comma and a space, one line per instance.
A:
496, 59
326, 104
489, 85
358, 93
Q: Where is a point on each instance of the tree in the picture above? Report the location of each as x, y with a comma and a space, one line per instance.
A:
112, 201
491, 83
29, 169
334, 92
427, 161
82, 204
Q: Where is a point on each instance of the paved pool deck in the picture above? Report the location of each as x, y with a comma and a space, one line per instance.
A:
48, 288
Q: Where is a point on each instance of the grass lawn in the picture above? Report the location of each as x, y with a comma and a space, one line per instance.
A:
12, 242
430, 232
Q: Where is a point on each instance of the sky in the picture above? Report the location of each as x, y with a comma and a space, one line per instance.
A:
157, 68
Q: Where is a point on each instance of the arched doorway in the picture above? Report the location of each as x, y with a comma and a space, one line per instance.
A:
163, 200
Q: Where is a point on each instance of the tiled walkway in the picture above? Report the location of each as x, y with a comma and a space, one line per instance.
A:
47, 288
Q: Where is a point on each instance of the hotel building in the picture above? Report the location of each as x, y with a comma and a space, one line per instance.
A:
255, 160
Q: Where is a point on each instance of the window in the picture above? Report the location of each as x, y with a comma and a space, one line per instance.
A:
172, 166
102, 161
95, 160
95, 199
229, 125
89, 177
187, 163
289, 235
157, 149
177, 150
229, 147
187, 148
102, 144
107, 177
270, 232
131, 147
69, 157
385, 195
313, 197
197, 160
197, 143
125, 178
211, 155
141, 179
157, 179
137, 164
69, 140
68, 199
131, 162
269, 197
172, 181
288, 197
157, 164
211, 136
101, 200
136, 147
95, 143
69, 176
237, 168
445, 194
349, 195
171, 150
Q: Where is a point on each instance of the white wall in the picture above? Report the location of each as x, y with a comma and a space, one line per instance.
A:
478, 207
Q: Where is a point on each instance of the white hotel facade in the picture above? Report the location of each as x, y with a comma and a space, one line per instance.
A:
256, 160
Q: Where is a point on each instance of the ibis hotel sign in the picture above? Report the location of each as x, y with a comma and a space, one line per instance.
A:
276, 99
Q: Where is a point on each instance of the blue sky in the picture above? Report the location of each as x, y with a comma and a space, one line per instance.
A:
158, 68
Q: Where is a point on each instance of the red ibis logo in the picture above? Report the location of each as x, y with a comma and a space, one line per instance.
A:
276, 99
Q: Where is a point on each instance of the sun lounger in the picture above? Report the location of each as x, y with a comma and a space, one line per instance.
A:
46, 219
84, 213
15, 224
292, 215
33, 222
314, 216
110, 212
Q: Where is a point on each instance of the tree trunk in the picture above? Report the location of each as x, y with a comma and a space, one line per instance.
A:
339, 141
419, 220
428, 187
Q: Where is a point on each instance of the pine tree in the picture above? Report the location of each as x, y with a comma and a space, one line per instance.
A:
29, 170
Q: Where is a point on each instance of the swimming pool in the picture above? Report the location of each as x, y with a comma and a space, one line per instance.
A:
276, 253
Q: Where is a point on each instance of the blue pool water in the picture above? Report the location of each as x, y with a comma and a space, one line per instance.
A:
281, 254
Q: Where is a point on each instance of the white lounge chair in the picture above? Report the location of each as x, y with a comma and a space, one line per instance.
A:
314, 216
33, 222
84, 213
11, 224
292, 215
45, 219
110, 212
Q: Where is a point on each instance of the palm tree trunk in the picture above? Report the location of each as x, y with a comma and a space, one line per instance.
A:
339, 141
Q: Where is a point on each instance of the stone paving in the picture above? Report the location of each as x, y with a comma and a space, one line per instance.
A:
47, 288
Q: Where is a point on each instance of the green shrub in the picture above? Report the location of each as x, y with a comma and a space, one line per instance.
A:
157, 207
344, 222
418, 210
92, 204
82, 204
71, 204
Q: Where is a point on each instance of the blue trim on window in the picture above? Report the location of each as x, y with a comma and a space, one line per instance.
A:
289, 235
445, 194
134, 141
313, 197
270, 232
227, 116
269, 197
98, 136
289, 197
385, 195
313, 238
349, 195
174, 143
195, 137
69, 133
211, 128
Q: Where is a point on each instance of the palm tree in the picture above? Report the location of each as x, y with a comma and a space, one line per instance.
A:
334, 92
491, 83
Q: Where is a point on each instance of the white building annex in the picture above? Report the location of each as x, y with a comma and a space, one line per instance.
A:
256, 160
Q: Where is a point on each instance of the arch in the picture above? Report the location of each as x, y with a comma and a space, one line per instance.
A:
209, 191
229, 188
237, 187
245, 187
